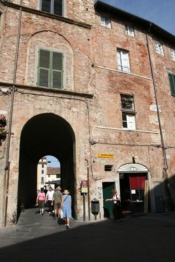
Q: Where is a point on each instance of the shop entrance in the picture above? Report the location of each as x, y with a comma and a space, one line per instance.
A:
132, 187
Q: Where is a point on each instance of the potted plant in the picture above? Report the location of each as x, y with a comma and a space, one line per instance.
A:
3, 121
3, 131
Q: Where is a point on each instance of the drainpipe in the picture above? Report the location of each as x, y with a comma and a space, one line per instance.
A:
7, 166
165, 176
158, 113
88, 189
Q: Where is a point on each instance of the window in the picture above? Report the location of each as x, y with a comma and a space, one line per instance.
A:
159, 48
50, 69
42, 180
42, 171
105, 21
42, 165
52, 6
108, 167
128, 114
48, 175
172, 54
123, 61
172, 83
129, 30
57, 176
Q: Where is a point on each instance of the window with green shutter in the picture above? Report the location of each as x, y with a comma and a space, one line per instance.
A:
52, 6
172, 83
50, 69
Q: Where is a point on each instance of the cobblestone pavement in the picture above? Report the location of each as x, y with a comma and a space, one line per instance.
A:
135, 239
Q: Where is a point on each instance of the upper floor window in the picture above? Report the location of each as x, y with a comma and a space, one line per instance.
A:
52, 6
105, 21
159, 48
123, 61
129, 30
172, 54
172, 83
50, 69
128, 113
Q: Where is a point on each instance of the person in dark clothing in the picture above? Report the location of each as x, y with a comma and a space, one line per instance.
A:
117, 212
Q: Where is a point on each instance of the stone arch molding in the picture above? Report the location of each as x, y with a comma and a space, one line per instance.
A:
50, 41
132, 167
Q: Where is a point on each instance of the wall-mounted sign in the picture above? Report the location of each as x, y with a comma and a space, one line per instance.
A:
84, 186
105, 156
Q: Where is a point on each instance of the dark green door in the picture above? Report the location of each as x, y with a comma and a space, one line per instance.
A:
107, 206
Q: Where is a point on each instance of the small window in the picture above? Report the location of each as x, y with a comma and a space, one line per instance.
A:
42, 165
129, 30
52, 6
127, 102
108, 167
42, 180
123, 61
42, 171
128, 114
172, 83
159, 48
105, 21
50, 69
48, 175
172, 54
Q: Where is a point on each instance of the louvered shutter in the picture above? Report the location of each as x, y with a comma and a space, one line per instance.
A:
46, 5
103, 20
130, 122
125, 62
57, 70
44, 64
119, 59
58, 7
172, 83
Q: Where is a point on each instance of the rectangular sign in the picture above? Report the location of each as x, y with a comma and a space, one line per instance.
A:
105, 155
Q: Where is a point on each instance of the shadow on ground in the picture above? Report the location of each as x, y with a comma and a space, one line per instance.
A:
41, 238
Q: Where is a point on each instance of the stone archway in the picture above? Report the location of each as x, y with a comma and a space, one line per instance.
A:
45, 134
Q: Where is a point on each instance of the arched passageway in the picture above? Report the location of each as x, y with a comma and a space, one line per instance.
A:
46, 134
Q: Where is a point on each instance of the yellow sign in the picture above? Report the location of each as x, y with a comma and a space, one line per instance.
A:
105, 156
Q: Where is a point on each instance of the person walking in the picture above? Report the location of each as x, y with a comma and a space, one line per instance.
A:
117, 212
66, 208
57, 200
41, 200
49, 197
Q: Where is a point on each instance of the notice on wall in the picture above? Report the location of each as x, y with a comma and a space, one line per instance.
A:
105, 155
146, 197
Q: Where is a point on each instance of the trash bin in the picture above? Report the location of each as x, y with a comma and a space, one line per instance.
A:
95, 207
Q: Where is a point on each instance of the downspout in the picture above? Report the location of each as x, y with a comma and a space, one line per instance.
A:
7, 166
165, 176
158, 113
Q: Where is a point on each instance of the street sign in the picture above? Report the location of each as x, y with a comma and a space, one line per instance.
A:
105, 156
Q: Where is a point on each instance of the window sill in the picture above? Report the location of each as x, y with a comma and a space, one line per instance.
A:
125, 130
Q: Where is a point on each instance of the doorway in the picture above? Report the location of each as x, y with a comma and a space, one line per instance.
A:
46, 134
107, 206
132, 191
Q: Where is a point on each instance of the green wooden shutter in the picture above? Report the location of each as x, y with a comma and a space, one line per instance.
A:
46, 5
172, 83
58, 7
57, 70
43, 68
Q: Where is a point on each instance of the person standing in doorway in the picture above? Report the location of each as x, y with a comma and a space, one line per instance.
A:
41, 200
117, 212
66, 208
49, 197
56, 200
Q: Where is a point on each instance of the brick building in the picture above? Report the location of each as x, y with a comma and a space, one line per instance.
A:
93, 86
